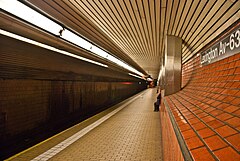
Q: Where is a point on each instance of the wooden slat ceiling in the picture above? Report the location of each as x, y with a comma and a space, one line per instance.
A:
134, 30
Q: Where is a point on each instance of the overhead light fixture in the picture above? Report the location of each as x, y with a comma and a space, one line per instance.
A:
6, 33
31, 16
124, 65
136, 76
99, 51
75, 39
133, 70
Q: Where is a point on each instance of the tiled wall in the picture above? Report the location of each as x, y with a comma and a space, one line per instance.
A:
171, 148
207, 109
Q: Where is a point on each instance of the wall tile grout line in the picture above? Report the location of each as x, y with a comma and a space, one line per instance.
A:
195, 131
180, 99
210, 113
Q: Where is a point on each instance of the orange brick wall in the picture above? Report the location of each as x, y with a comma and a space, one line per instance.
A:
207, 109
217, 84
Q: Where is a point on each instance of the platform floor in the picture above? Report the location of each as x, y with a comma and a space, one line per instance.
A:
129, 131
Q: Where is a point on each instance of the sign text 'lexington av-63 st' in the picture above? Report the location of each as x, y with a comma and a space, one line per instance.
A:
226, 47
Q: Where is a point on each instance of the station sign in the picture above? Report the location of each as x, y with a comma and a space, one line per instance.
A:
225, 47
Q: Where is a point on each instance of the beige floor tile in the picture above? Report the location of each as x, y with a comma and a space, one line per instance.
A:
132, 134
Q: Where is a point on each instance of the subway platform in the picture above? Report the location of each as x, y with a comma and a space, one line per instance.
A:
128, 131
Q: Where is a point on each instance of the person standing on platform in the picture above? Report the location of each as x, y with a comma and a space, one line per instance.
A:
157, 103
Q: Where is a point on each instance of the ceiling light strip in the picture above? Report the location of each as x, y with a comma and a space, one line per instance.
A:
135, 75
24, 12
75, 39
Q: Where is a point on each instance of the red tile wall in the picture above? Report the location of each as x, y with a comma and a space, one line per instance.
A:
207, 109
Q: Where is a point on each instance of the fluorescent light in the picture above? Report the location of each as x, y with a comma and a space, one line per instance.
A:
135, 75
135, 71
49, 47
112, 58
24, 12
122, 64
99, 51
75, 39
